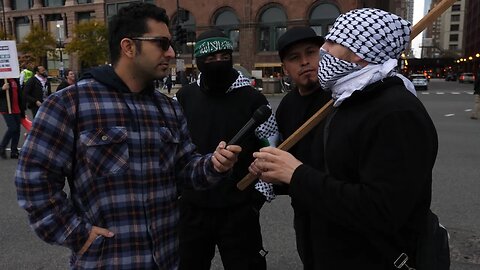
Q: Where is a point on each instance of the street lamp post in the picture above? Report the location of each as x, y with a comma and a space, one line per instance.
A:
192, 44
60, 49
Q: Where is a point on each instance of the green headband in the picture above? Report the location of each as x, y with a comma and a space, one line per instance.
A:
211, 45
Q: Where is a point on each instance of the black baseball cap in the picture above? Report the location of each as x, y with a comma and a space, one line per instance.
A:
295, 35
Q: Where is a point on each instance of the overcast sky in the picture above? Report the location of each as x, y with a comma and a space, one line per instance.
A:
418, 11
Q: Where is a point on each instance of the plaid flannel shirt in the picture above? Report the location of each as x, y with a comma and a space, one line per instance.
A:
131, 152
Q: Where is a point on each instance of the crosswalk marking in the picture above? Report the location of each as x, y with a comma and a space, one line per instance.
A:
443, 93
450, 114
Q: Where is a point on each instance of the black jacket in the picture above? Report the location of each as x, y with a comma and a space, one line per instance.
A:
292, 112
218, 117
33, 91
3, 98
63, 84
380, 152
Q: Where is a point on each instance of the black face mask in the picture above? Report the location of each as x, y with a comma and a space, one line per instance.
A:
217, 76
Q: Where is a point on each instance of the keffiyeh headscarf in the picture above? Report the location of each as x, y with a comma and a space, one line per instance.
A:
373, 34
376, 36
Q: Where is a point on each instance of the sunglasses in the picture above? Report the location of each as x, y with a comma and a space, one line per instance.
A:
161, 42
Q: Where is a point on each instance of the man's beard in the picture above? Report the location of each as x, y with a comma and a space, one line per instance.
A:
311, 84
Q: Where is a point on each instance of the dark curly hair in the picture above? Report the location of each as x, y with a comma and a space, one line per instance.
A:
130, 21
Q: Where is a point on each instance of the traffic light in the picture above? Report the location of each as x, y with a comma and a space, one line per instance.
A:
181, 35
178, 30
183, 15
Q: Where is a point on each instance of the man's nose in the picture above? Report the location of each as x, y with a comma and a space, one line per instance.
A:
170, 52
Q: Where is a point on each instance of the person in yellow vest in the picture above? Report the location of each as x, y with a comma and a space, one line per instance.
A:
25, 75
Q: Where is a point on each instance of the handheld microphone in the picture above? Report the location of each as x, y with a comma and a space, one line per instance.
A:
259, 116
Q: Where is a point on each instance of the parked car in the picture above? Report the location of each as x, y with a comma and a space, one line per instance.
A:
466, 77
420, 81
451, 77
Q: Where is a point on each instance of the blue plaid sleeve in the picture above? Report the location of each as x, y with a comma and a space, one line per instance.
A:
40, 177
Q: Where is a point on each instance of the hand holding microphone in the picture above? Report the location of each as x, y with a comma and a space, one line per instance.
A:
225, 155
259, 116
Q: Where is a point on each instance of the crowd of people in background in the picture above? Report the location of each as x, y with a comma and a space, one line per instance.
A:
17, 95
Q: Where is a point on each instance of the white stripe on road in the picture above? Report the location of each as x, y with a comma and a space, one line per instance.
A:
468, 110
450, 114
443, 93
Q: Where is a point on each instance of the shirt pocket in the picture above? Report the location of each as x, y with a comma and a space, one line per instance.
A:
106, 150
168, 148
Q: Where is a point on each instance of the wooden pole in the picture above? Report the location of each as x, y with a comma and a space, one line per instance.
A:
294, 138
7, 96
327, 108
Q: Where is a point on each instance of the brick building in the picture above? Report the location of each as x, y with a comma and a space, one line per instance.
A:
472, 36
253, 25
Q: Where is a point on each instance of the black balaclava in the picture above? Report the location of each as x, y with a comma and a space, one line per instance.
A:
216, 77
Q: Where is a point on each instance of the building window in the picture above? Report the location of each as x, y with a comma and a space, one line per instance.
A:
454, 27
273, 23
453, 47
52, 21
112, 9
228, 22
56, 27
54, 3
56, 59
85, 16
22, 28
322, 18
454, 37
84, 1
455, 18
22, 4
456, 8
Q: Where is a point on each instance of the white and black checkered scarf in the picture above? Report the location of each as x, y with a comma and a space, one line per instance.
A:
376, 36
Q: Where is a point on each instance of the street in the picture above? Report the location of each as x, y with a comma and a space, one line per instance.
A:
456, 200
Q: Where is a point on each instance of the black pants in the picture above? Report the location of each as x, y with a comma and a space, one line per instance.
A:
34, 109
236, 232
12, 134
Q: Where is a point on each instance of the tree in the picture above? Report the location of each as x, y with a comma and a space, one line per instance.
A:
37, 43
5, 36
90, 42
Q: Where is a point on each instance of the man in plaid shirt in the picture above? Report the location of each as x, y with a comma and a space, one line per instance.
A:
125, 148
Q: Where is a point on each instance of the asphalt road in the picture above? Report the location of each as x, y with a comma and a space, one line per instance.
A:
456, 199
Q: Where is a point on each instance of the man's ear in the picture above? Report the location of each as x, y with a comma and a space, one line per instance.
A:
128, 47
284, 70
